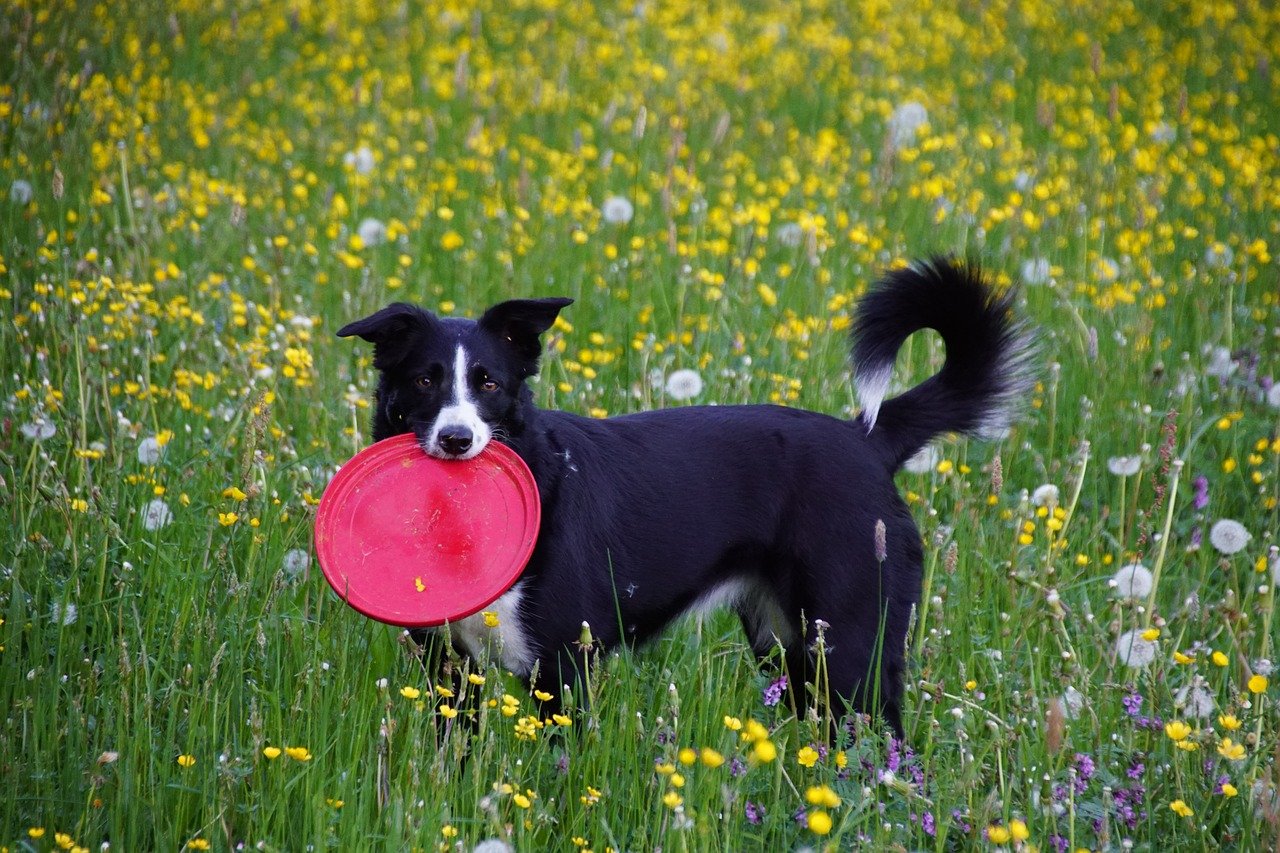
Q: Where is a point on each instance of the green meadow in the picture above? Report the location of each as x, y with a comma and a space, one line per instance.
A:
194, 196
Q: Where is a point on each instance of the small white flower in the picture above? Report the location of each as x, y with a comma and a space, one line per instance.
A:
1275, 570
1124, 466
150, 450
1036, 271
1221, 364
1072, 702
361, 160
1133, 581
1045, 495
617, 210
1273, 395
1163, 132
684, 384
156, 515
1228, 536
1219, 255
381, 684
1263, 667
790, 234
905, 121
1134, 651
372, 232
63, 614
39, 428
20, 191
924, 461
1195, 700
296, 561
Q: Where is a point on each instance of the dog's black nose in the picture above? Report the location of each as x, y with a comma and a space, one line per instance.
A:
455, 440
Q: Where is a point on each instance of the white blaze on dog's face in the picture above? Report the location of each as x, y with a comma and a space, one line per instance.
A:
459, 432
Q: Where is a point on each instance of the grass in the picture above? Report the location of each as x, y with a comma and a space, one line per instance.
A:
183, 186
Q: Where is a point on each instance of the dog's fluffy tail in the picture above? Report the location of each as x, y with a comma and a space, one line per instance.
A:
987, 368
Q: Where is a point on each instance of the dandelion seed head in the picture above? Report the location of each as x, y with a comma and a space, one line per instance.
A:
20, 191
1036, 271
295, 562
1133, 581
361, 160
39, 428
1134, 651
150, 450
684, 384
1220, 365
1228, 536
1124, 466
617, 210
905, 122
371, 231
156, 514
1045, 495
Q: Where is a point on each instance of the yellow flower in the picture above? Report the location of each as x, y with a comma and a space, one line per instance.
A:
443, 692
522, 801
1219, 658
807, 756
754, 731
63, 840
1180, 658
671, 799
666, 768
1229, 722
298, 753
186, 760
410, 692
764, 751
1018, 829
733, 724
490, 618
271, 752
449, 831
1151, 634
1230, 750
234, 493
1181, 809
677, 780
451, 240
687, 756
819, 823
1229, 790
475, 678
447, 712
997, 834
562, 719
821, 795
226, 519
36, 831
1257, 684
1177, 730
198, 844
543, 696
711, 758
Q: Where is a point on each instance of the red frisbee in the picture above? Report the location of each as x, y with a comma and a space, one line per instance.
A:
415, 541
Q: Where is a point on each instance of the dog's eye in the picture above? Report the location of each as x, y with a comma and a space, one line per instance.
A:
424, 382
488, 385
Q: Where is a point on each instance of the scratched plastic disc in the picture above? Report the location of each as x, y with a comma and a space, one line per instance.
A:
415, 541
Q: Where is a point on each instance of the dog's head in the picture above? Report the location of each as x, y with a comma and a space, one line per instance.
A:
454, 383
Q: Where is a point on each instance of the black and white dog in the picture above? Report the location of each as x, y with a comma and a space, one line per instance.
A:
768, 510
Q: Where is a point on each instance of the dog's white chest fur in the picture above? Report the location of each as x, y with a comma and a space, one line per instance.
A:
507, 643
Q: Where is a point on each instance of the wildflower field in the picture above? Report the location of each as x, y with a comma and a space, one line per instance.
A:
195, 195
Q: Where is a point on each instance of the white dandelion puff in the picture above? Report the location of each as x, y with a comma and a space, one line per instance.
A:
156, 514
1195, 700
1135, 651
20, 192
1124, 466
1218, 256
63, 614
493, 845
360, 161
1228, 536
150, 450
295, 562
617, 210
1132, 582
39, 428
1107, 270
1072, 702
790, 234
1273, 395
1221, 365
1045, 495
372, 232
1036, 271
905, 122
1163, 132
684, 384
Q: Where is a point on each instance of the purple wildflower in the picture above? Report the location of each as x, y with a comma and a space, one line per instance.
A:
737, 767
1057, 842
754, 813
773, 693
1136, 770
1202, 492
1132, 704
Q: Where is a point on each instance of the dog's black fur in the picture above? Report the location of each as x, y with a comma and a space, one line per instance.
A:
769, 510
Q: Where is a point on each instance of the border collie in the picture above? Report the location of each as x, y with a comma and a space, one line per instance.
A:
771, 511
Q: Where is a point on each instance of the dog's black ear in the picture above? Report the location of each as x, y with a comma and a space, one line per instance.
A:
388, 330
520, 322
